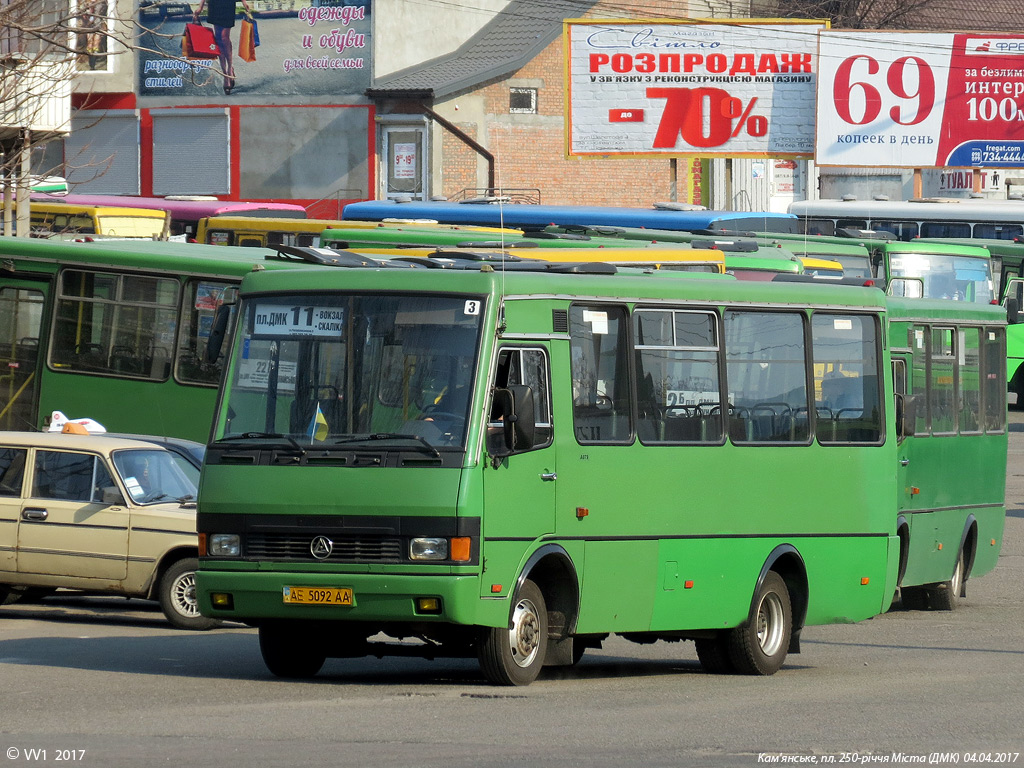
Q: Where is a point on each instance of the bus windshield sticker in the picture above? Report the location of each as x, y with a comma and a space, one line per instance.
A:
842, 324
472, 307
311, 321
598, 322
209, 296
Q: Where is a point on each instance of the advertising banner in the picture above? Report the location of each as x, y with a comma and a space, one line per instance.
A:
737, 88
920, 100
306, 47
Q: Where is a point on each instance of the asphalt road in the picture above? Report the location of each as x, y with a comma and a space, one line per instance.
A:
106, 683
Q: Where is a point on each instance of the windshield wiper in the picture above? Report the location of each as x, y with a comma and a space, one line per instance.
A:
396, 436
268, 435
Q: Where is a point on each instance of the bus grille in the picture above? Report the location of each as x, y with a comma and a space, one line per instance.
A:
346, 549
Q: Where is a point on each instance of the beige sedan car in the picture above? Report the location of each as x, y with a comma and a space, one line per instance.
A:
102, 515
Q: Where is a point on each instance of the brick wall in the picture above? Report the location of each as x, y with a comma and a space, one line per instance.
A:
529, 149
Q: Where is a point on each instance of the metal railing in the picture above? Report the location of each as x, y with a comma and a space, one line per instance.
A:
523, 196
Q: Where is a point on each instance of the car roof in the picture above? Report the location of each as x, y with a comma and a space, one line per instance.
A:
95, 442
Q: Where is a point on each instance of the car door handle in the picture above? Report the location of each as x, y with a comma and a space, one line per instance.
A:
904, 462
33, 513
548, 476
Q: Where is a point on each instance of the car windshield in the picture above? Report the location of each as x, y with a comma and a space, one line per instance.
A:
961, 278
392, 371
153, 476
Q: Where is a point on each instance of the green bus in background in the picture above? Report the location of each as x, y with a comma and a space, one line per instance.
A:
514, 464
1008, 275
115, 331
948, 373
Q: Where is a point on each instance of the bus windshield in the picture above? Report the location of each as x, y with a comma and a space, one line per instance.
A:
341, 370
945, 276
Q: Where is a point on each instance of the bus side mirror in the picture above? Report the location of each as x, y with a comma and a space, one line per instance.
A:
514, 408
1012, 310
217, 333
906, 415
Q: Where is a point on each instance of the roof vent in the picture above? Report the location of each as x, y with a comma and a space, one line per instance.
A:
881, 198
848, 198
673, 206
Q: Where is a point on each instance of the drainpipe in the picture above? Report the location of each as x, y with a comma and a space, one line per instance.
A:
466, 139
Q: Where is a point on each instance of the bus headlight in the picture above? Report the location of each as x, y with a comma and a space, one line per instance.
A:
224, 545
428, 548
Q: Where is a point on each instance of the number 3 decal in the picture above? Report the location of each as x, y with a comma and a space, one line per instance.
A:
472, 308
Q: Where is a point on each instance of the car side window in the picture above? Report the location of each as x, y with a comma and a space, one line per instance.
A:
12, 470
64, 476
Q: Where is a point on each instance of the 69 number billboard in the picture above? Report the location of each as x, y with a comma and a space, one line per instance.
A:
920, 100
739, 88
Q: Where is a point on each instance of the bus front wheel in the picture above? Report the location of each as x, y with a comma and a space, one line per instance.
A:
289, 652
759, 646
514, 655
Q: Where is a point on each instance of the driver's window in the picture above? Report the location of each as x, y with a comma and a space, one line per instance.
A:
523, 367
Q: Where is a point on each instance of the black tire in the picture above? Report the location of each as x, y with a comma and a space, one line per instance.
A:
946, 596
288, 652
37, 594
177, 594
714, 656
514, 655
759, 646
914, 598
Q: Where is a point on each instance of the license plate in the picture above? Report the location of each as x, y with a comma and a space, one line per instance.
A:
318, 595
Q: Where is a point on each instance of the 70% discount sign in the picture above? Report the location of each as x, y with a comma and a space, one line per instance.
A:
704, 117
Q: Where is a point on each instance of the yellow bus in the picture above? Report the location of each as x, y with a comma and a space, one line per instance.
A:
108, 221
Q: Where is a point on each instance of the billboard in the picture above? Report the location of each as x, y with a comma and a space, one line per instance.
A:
920, 99
307, 48
734, 88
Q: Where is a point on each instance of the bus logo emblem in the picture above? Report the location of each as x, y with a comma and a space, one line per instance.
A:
321, 547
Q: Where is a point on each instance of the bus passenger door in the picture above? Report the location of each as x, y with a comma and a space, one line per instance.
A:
21, 348
519, 488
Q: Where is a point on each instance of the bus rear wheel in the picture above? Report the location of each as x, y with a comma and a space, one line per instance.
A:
514, 655
946, 596
289, 652
759, 646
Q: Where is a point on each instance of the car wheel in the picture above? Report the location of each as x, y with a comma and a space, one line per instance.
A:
178, 596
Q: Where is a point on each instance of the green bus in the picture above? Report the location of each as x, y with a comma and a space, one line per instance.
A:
515, 464
854, 256
1007, 271
115, 331
949, 373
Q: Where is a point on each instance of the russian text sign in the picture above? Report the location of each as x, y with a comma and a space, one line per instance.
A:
742, 88
920, 100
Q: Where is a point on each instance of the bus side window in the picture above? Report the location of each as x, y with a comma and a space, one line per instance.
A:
846, 382
600, 375
766, 363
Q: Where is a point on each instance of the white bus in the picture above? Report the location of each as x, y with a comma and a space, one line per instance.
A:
907, 219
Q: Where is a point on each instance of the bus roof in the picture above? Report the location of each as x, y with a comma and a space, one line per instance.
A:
106, 210
618, 287
951, 209
459, 235
536, 216
183, 209
181, 258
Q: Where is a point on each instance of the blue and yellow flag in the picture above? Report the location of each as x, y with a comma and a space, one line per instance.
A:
318, 426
